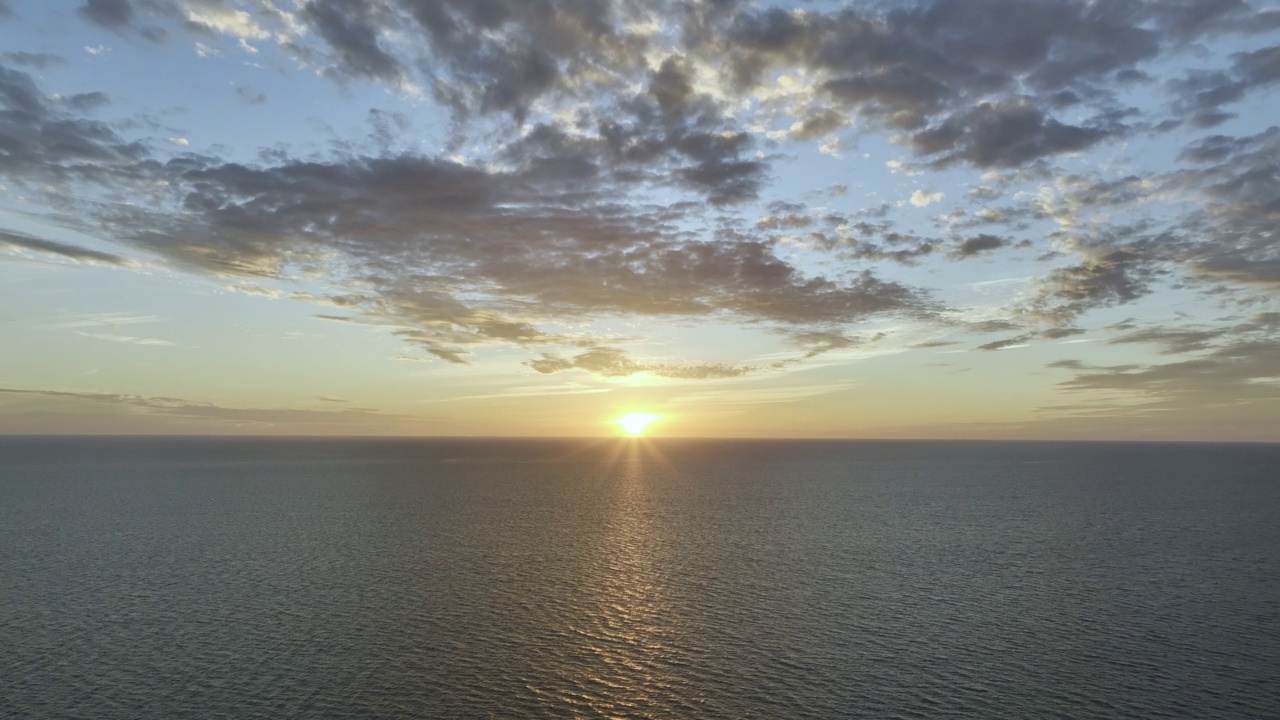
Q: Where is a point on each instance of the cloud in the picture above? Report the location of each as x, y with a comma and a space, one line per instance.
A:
111, 320
47, 144
1007, 133
1007, 343
613, 143
917, 68
1235, 224
17, 240
216, 16
250, 96
420, 232
1242, 372
614, 362
128, 339
348, 29
914, 67
933, 344
979, 244
920, 198
110, 14
1173, 341
1202, 94
1232, 366
222, 415
990, 326
1061, 332
39, 61
818, 342
1107, 275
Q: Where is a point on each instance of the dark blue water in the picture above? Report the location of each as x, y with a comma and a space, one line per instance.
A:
500, 579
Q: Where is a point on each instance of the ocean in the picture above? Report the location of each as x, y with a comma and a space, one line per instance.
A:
277, 578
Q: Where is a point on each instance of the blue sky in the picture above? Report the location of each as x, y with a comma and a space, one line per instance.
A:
988, 218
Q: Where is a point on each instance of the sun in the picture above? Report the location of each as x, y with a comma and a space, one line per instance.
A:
636, 423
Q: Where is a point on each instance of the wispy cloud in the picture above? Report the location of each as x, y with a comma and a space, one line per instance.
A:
14, 240
219, 414
127, 339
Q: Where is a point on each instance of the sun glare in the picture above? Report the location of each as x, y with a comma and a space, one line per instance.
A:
636, 423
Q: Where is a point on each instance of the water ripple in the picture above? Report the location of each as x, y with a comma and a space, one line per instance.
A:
375, 579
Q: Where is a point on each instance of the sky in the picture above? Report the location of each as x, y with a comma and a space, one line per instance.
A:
1022, 219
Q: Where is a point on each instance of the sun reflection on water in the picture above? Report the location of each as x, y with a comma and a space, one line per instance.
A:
624, 616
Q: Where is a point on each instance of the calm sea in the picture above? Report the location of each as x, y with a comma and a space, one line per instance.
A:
179, 578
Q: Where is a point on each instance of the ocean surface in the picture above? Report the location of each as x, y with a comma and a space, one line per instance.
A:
206, 578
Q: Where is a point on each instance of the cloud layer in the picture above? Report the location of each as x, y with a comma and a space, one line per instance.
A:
622, 162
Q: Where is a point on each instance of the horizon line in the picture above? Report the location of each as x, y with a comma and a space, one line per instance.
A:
620, 438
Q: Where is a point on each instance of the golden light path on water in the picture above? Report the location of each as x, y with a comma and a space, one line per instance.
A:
624, 619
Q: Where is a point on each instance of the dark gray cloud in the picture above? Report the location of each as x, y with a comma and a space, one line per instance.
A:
84, 102
1234, 228
1053, 333
546, 240
1220, 234
350, 29
110, 14
853, 239
933, 344
697, 148
37, 60
500, 55
991, 326
15, 239
1214, 148
1113, 275
979, 244
920, 67
974, 81
1202, 94
718, 169
46, 141
1192, 18
1061, 332
1173, 341
1009, 133
1007, 342
1108, 273
250, 96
